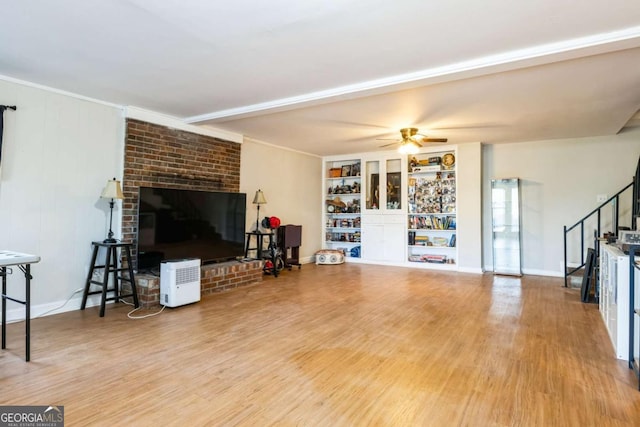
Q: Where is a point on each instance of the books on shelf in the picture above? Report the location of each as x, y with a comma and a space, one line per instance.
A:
432, 222
438, 259
416, 239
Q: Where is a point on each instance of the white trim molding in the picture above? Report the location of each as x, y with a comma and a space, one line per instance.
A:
137, 113
500, 62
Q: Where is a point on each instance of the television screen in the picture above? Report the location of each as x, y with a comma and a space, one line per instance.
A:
176, 224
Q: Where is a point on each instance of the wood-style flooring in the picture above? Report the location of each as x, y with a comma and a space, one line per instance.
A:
348, 345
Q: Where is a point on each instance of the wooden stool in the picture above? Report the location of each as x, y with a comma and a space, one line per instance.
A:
110, 266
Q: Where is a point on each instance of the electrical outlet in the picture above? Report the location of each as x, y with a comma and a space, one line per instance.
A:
601, 198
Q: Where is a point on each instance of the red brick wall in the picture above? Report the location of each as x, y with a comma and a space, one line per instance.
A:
158, 156
214, 278
225, 276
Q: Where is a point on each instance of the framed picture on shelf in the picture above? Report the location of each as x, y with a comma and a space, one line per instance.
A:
393, 187
355, 169
374, 202
346, 170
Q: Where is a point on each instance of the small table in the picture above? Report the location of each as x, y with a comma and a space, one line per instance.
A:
259, 248
110, 266
23, 261
271, 253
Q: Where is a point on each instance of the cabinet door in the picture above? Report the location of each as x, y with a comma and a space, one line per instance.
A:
505, 219
393, 184
372, 185
373, 242
383, 238
394, 241
384, 184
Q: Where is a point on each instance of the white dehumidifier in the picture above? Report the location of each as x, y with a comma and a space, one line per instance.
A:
179, 282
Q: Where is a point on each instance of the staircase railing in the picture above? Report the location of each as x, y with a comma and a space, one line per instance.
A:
597, 211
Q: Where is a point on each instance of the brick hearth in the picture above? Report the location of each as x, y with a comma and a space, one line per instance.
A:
214, 278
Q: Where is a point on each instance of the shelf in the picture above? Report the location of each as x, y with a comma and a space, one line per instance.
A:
432, 213
429, 202
428, 172
433, 230
434, 265
431, 259
431, 247
432, 203
342, 191
333, 178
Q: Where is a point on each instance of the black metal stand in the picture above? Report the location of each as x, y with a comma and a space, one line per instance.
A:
110, 238
271, 254
26, 269
110, 266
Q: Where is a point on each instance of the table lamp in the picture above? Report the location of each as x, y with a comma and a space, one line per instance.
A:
111, 191
259, 199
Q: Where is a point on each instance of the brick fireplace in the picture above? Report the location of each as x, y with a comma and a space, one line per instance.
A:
159, 156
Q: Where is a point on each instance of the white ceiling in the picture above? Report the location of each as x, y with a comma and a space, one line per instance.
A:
329, 77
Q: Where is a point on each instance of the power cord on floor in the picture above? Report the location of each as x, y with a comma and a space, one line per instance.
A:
59, 307
129, 314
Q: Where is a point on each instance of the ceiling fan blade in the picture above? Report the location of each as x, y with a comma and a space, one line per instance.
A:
388, 145
485, 125
388, 139
351, 124
434, 140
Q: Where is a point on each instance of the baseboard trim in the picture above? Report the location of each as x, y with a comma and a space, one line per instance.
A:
42, 310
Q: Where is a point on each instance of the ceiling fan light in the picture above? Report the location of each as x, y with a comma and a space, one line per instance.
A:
408, 148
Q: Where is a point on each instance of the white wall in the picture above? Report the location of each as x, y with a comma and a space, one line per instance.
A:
58, 153
469, 207
291, 182
560, 182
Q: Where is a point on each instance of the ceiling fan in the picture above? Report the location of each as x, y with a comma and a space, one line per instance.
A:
411, 141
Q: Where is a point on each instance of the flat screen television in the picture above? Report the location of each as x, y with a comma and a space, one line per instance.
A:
178, 224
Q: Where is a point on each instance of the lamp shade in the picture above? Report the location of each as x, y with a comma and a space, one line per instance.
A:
408, 147
259, 199
112, 190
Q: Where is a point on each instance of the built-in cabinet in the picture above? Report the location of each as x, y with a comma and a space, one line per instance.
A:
393, 208
614, 297
432, 224
342, 206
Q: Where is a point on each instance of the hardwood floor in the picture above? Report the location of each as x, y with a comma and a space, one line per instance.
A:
334, 346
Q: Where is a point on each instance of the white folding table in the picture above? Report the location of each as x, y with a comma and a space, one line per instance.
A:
23, 262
